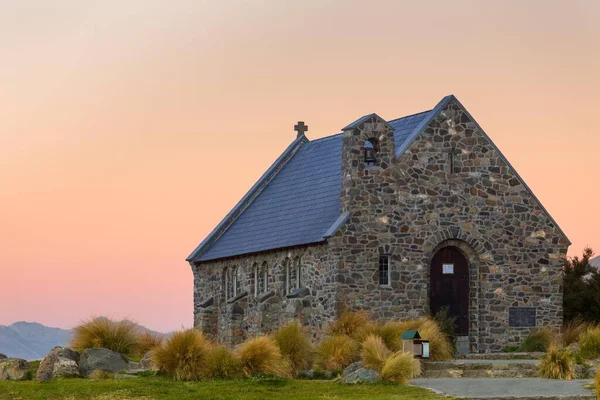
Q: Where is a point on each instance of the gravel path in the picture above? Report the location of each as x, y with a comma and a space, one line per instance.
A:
501, 388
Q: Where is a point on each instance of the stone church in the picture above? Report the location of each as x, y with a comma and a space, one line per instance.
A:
400, 218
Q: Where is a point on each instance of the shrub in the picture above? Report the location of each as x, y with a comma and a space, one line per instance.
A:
374, 352
391, 333
572, 330
119, 336
336, 353
369, 328
441, 348
589, 343
148, 341
222, 363
558, 363
98, 374
349, 322
538, 340
400, 367
295, 346
183, 355
446, 324
262, 356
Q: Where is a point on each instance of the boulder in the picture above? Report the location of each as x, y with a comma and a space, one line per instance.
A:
101, 359
351, 368
2, 356
61, 362
361, 375
574, 347
147, 363
14, 369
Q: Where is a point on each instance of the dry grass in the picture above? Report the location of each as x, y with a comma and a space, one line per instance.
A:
119, 336
589, 343
349, 323
539, 339
558, 363
222, 363
183, 355
295, 346
261, 355
336, 353
572, 330
374, 352
148, 341
400, 367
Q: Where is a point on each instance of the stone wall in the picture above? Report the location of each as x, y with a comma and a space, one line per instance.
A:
409, 207
233, 320
451, 187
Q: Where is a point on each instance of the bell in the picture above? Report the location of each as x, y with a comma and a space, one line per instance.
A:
370, 155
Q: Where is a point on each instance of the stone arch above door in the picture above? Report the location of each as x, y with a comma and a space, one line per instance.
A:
475, 251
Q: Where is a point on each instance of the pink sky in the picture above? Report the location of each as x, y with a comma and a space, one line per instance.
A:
128, 129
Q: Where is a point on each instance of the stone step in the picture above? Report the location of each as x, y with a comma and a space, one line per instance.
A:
480, 369
503, 356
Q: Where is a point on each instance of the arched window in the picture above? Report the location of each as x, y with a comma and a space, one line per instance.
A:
286, 269
226, 283
236, 281
265, 277
255, 279
370, 151
298, 273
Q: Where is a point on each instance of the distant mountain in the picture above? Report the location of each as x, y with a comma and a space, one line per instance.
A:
595, 262
30, 340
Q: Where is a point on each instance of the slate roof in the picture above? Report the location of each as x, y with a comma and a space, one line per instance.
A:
297, 201
300, 205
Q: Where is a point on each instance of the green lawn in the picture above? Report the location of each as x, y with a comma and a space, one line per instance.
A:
163, 388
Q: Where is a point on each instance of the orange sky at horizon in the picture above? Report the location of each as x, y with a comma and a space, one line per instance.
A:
129, 129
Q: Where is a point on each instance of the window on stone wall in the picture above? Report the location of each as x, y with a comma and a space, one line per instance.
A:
228, 283
236, 281
298, 273
384, 270
291, 275
264, 278
255, 278
370, 152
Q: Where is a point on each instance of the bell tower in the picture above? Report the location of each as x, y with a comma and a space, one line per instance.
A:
368, 152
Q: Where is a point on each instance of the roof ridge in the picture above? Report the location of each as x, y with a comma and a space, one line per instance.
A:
410, 115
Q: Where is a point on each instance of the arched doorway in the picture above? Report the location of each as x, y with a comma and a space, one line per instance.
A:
449, 286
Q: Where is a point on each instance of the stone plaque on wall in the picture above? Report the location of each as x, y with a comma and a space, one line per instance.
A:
521, 316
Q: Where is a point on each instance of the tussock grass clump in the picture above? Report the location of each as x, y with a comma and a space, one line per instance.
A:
349, 323
183, 355
558, 363
336, 353
538, 340
441, 347
262, 356
400, 367
295, 346
148, 341
222, 363
597, 384
119, 336
374, 352
391, 333
572, 330
589, 343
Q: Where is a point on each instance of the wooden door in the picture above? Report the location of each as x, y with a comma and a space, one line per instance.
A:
449, 287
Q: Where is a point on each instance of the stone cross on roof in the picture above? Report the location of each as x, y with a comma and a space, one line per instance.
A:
300, 128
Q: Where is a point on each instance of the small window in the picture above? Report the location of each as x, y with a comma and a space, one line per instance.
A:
255, 275
370, 152
263, 278
298, 274
292, 275
384, 270
447, 269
